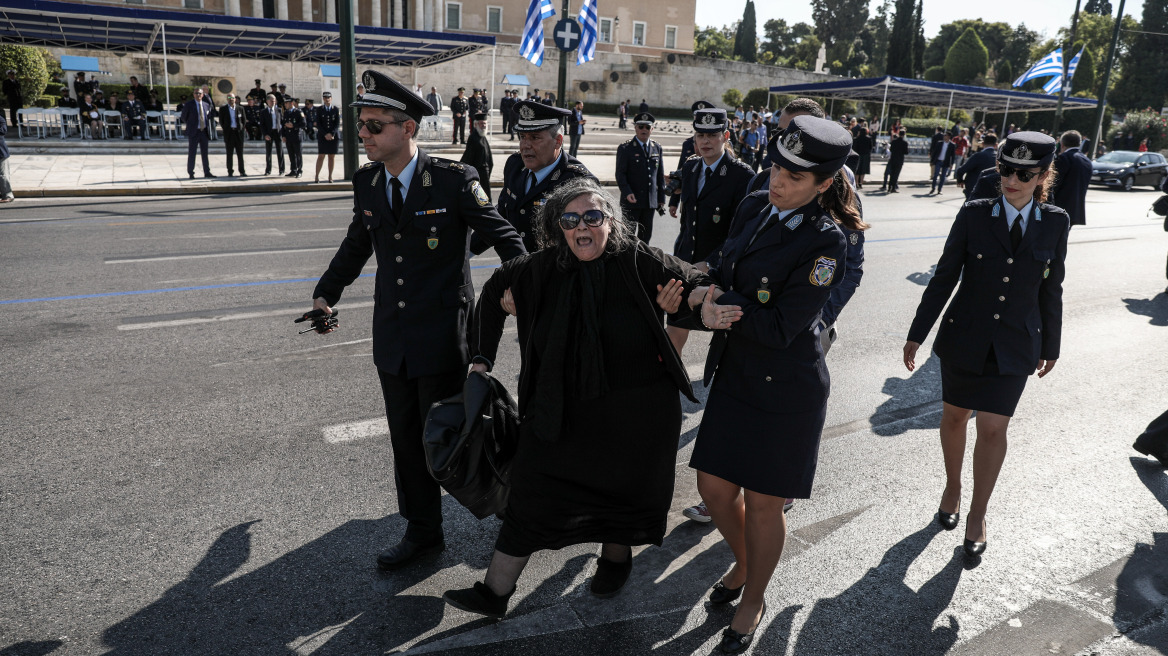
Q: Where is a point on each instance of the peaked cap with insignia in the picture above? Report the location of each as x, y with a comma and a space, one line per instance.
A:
701, 104
1027, 150
384, 92
644, 118
535, 116
811, 144
709, 121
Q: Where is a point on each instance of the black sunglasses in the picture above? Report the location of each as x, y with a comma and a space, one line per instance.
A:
591, 218
375, 127
1023, 175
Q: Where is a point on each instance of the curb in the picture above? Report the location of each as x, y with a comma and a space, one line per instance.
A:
208, 190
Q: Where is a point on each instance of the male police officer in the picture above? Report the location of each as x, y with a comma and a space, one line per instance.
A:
641, 177
458, 109
531, 174
983, 159
292, 124
505, 106
415, 212
478, 152
134, 116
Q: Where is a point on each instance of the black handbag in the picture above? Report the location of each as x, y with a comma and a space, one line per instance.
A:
470, 440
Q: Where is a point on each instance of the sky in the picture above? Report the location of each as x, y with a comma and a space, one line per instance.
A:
1044, 17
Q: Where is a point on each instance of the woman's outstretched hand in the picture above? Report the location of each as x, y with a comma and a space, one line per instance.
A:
718, 317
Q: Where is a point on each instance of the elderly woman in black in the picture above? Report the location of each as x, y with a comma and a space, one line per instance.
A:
1004, 323
598, 390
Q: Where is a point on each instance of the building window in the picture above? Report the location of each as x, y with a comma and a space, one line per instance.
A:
135, 2
193, 4
495, 19
639, 33
454, 15
670, 37
606, 30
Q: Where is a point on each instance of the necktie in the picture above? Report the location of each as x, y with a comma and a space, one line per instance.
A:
275, 118
397, 197
1016, 234
647, 155
202, 119
528, 178
705, 179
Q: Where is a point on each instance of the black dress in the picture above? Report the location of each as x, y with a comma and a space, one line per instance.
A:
609, 476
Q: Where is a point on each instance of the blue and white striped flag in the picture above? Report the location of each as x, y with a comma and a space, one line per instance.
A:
1056, 82
588, 20
531, 48
1051, 64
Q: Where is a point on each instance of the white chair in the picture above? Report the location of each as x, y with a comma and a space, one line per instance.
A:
70, 117
112, 120
31, 119
154, 119
170, 124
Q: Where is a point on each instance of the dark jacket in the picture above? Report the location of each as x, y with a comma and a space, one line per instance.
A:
266, 120
705, 217
640, 174
950, 153
423, 292
478, 155
988, 184
459, 106
897, 149
522, 209
4, 154
13, 93
688, 150
1073, 171
240, 120
968, 172
189, 115
642, 267
295, 117
328, 121
1010, 301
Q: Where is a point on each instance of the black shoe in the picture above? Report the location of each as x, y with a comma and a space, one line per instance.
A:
722, 595
479, 599
268, 172
290, 175
610, 576
230, 174
209, 175
734, 642
948, 521
974, 549
405, 552
242, 174
192, 176
1146, 447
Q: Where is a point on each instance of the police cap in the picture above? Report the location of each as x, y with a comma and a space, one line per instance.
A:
535, 116
644, 118
1027, 150
384, 92
709, 121
479, 116
701, 104
327, 94
811, 144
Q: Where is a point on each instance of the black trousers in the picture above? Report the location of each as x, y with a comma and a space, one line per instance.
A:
1155, 436
407, 401
198, 140
642, 218
894, 168
295, 157
13, 106
459, 130
234, 143
129, 124
274, 141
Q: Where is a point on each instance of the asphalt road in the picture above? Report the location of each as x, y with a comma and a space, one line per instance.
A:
181, 473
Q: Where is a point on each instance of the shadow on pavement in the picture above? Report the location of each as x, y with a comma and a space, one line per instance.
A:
29, 648
922, 277
881, 610
1156, 308
909, 398
1142, 585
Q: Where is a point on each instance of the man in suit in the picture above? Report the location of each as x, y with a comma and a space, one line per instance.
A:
1073, 177
133, 116
897, 150
14, 96
66, 100
505, 106
983, 159
934, 145
292, 123
531, 174
278, 92
478, 152
196, 118
435, 99
6, 195
942, 159
641, 177
415, 212
458, 109
270, 125
234, 123
576, 123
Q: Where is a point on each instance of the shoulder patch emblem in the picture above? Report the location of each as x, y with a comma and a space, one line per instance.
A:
854, 238
794, 221
823, 272
556, 176
479, 194
426, 179
997, 210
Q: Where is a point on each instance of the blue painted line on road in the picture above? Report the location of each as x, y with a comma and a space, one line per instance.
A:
138, 292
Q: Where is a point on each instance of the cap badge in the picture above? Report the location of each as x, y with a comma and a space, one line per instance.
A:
368, 80
793, 143
526, 113
1022, 152
708, 119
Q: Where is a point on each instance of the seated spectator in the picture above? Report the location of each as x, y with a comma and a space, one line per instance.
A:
113, 104
133, 117
66, 101
91, 116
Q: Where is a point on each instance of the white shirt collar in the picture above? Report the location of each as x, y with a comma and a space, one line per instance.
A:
543, 173
1013, 214
406, 175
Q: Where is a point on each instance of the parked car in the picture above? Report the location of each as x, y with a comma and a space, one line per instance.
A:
1128, 168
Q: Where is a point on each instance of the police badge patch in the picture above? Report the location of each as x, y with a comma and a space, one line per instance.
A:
526, 113
793, 143
368, 80
480, 195
823, 272
854, 238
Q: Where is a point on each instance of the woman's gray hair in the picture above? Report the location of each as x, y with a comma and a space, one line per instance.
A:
548, 233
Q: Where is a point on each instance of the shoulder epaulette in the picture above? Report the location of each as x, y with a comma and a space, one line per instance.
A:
368, 165
743, 165
695, 155
579, 168
758, 194
1047, 207
448, 164
979, 202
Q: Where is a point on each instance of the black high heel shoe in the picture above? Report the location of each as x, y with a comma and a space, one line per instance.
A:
723, 595
948, 521
734, 642
975, 549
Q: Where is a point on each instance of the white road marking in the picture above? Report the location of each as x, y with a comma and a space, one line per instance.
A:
356, 430
190, 321
163, 258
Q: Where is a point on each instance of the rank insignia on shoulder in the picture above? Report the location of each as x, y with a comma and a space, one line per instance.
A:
457, 166
578, 168
794, 221
1037, 214
426, 178
823, 272
826, 225
997, 209
480, 195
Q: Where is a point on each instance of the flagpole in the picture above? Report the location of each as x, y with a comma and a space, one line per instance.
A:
563, 77
1098, 136
1058, 111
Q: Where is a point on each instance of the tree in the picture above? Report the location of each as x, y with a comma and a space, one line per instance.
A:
899, 61
919, 43
1004, 73
776, 39
714, 43
1084, 79
967, 58
30, 69
993, 35
1098, 7
1143, 82
757, 97
837, 22
1096, 31
732, 98
746, 38
875, 38
1017, 48
806, 51
935, 74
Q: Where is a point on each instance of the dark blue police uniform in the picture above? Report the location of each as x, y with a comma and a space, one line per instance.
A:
291, 125
328, 122
640, 172
968, 173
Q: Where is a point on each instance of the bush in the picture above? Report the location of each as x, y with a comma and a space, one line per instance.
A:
922, 127
1144, 124
757, 97
31, 72
967, 58
1004, 72
935, 74
732, 98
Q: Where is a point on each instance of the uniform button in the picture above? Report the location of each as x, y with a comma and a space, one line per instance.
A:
400, 281
397, 235
1006, 279
401, 304
979, 256
768, 379
1001, 298
950, 321
997, 316
523, 211
1009, 260
398, 258
368, 227
522, 235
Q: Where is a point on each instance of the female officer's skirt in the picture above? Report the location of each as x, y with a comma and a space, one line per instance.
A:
988, 391
326, 147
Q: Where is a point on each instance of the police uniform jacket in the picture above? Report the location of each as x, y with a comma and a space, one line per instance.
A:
505, 105
132, 109
705, 217
478, 155
423, 292
988, 184
252, 114
1011, 301
296, 118
1070, 185
474, 106
328, 121
458, 106
968, 172
640, 174
260, 96
781, 276
687, 151
521, 209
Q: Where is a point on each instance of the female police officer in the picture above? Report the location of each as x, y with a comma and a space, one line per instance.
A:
1005, 321
763, 419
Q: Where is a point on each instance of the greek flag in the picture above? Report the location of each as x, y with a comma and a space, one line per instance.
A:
587, 50
1051, 64
1056, 82
531, 47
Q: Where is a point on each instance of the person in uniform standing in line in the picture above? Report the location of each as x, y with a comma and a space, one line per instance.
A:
271, 125
531, 174
1072, 177
293, 123
478, 152
758, 443
258, 93
474, 104
415, 212
458, 109
252, 122
14, 96
328, 136
196, 115
641, 177
231, 118
713, 183
1004, 323
310, 110
897, 151
505, 105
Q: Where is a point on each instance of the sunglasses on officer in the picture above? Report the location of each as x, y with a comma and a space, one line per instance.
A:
591, 218
1023, 174
374, 126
